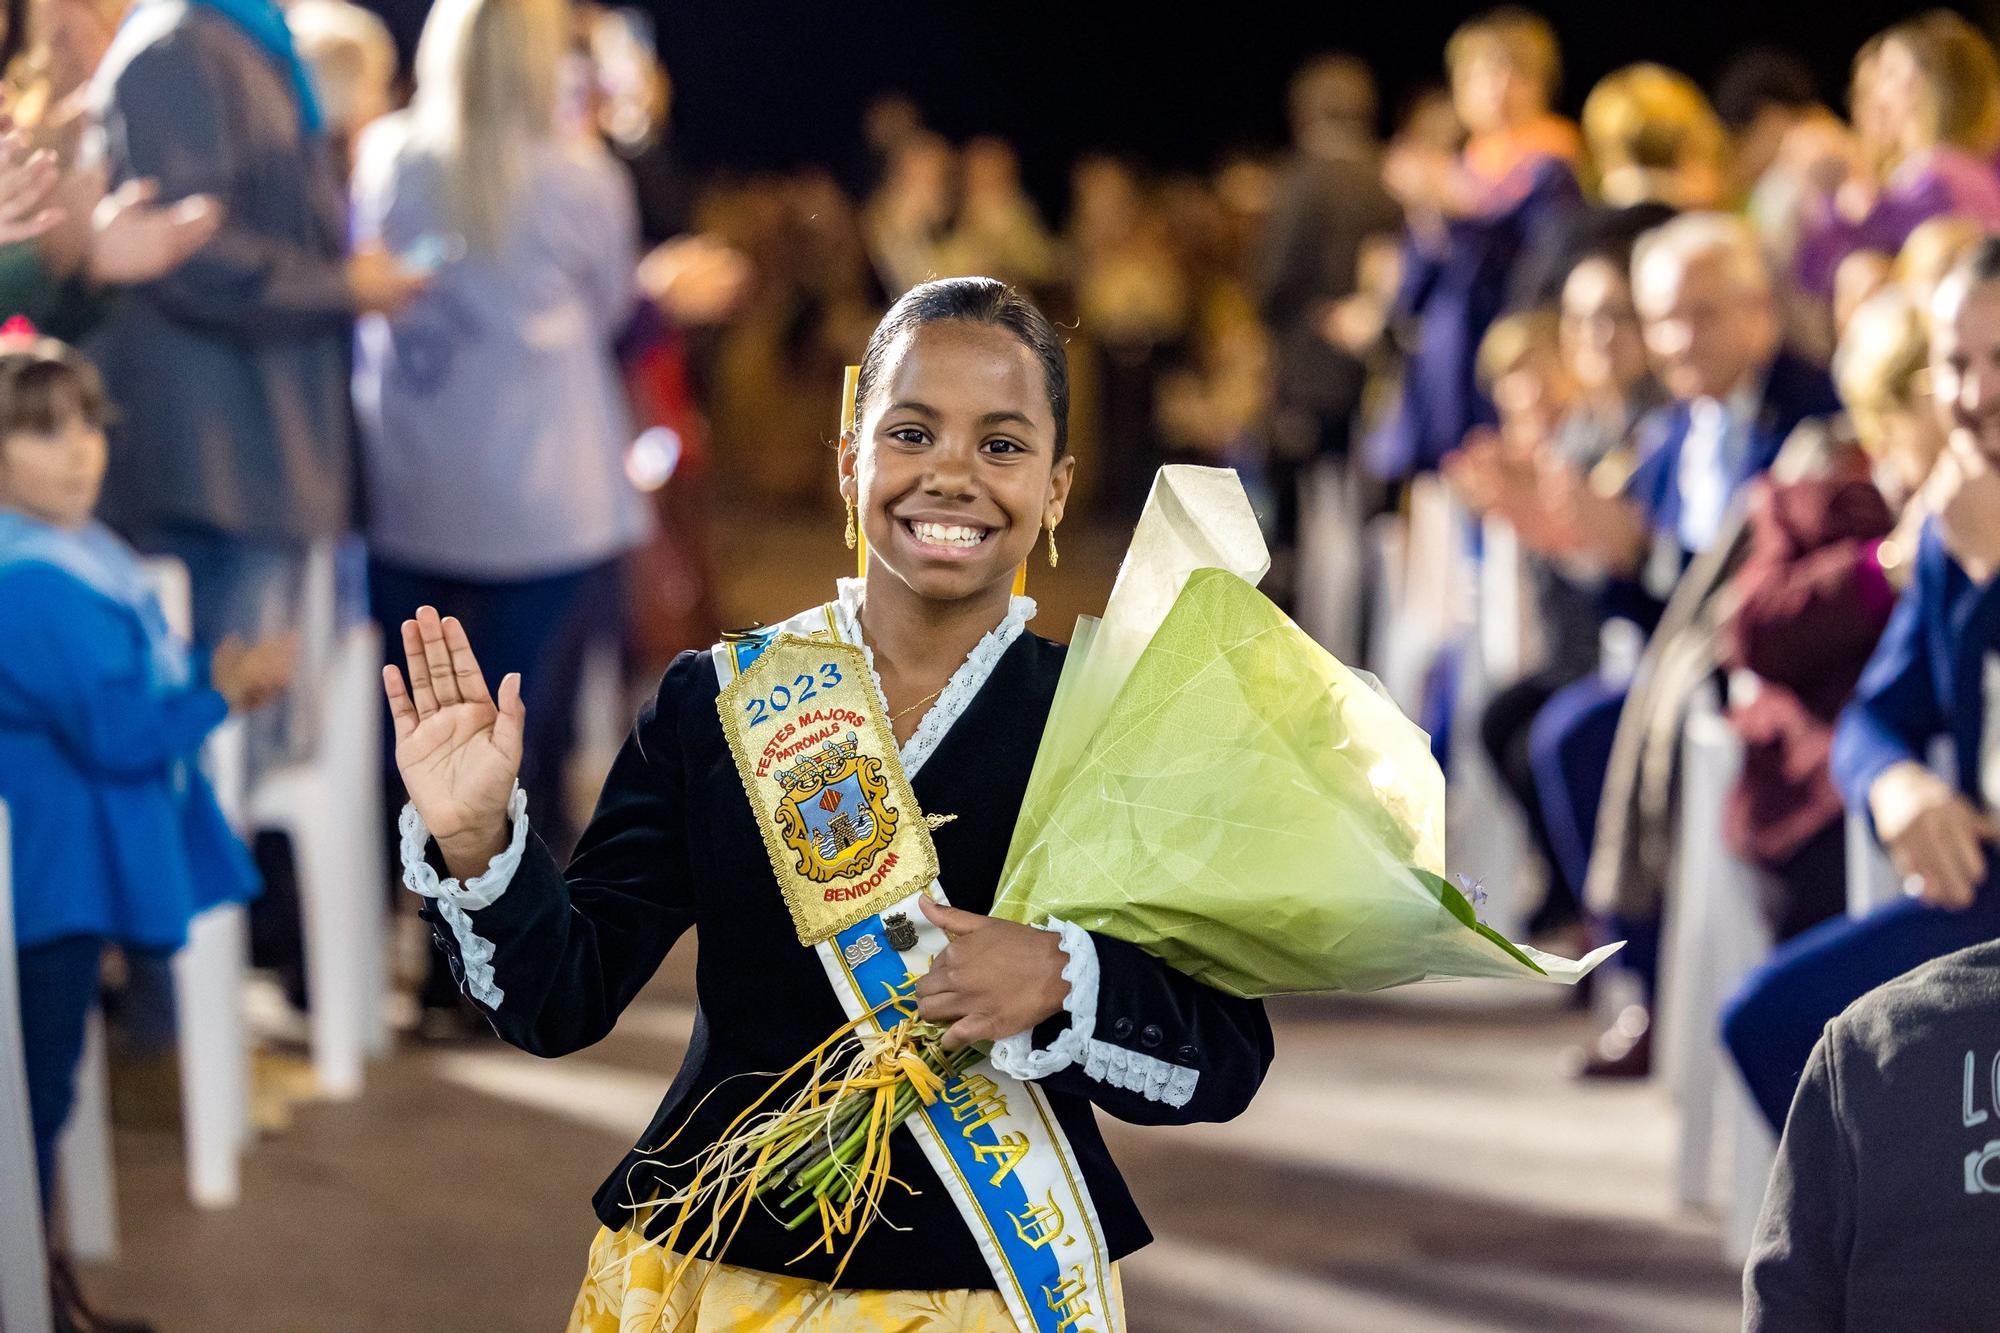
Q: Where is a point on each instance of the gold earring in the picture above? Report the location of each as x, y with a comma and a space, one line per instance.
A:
849, 536
1052, 546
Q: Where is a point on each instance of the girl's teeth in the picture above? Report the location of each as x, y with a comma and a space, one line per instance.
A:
939, 534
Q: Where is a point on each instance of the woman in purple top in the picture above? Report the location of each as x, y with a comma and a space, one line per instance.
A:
1927, 121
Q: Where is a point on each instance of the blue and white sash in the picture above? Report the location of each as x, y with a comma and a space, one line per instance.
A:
991, 1138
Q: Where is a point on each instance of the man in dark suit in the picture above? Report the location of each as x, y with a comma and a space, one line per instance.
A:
1705, 294
1935, 673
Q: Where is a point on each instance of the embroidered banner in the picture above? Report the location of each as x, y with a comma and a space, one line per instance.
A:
818, 762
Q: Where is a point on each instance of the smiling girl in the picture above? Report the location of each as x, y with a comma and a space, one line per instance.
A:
955, 467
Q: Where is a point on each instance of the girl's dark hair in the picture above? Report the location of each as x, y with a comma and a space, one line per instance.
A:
44, 384
976, 301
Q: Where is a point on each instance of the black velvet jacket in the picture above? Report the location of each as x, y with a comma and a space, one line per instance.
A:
674, 845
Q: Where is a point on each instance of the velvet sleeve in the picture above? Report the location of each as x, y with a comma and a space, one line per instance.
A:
1163, 1049
1895, 711
561, 952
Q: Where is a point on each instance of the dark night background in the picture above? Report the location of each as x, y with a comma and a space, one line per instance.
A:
766, 83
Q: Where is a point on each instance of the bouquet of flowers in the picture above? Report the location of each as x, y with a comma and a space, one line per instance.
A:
1212, 786
1216, 788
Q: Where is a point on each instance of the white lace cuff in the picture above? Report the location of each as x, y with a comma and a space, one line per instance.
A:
1016, 1055
456, 900
1154, 1079
482, 890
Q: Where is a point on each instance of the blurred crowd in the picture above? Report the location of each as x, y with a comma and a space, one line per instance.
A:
1724, 363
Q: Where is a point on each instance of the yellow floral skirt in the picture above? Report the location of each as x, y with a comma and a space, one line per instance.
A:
626, 1291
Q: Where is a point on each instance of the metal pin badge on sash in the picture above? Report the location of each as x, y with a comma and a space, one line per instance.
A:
820, 766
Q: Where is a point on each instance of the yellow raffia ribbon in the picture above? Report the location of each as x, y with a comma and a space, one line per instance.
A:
921, 1076
758, 1143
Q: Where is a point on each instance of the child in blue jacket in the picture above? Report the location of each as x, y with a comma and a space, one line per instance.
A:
116, 836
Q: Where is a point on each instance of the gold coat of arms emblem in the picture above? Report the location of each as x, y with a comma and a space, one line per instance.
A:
820, 766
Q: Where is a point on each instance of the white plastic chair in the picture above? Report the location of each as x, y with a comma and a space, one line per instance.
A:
1331, 580
1716, 936
24, 1274
85, 1180
1871, 879
331, 809
1506, 609
209, 975
1484, 838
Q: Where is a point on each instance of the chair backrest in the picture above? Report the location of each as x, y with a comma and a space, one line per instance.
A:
175, 590
24, 1279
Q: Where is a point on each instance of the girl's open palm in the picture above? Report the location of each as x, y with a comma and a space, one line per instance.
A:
458, 752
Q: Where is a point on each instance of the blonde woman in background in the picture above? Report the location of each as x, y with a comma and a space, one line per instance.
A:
1933, 248
1927, 123
1652, 135
494, 423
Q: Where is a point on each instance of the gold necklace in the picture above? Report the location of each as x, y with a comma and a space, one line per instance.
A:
894, 718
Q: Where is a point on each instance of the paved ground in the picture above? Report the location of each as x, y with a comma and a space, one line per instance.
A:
1415, 1164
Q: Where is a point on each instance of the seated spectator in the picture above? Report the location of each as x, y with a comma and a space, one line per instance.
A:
1706, 297
1932, 251
1328, 205
1656, 147
1881, 1211
1931, 676
1604, 357
1811, 601
997, 231
1927, 121
1469, 220
116, 836
1769, 100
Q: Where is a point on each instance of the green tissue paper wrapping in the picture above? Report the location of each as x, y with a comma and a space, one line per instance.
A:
1217, 789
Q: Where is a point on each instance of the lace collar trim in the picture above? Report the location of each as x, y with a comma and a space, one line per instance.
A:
959, 691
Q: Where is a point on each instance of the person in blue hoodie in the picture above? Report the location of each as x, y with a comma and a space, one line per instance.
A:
117, 838
1935, 673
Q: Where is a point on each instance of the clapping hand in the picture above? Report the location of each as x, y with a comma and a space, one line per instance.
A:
381, 284
1964, 492
135, 239
252, 676
697, 280
457, 750
27, 179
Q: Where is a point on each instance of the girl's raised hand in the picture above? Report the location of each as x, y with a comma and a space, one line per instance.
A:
458, 751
